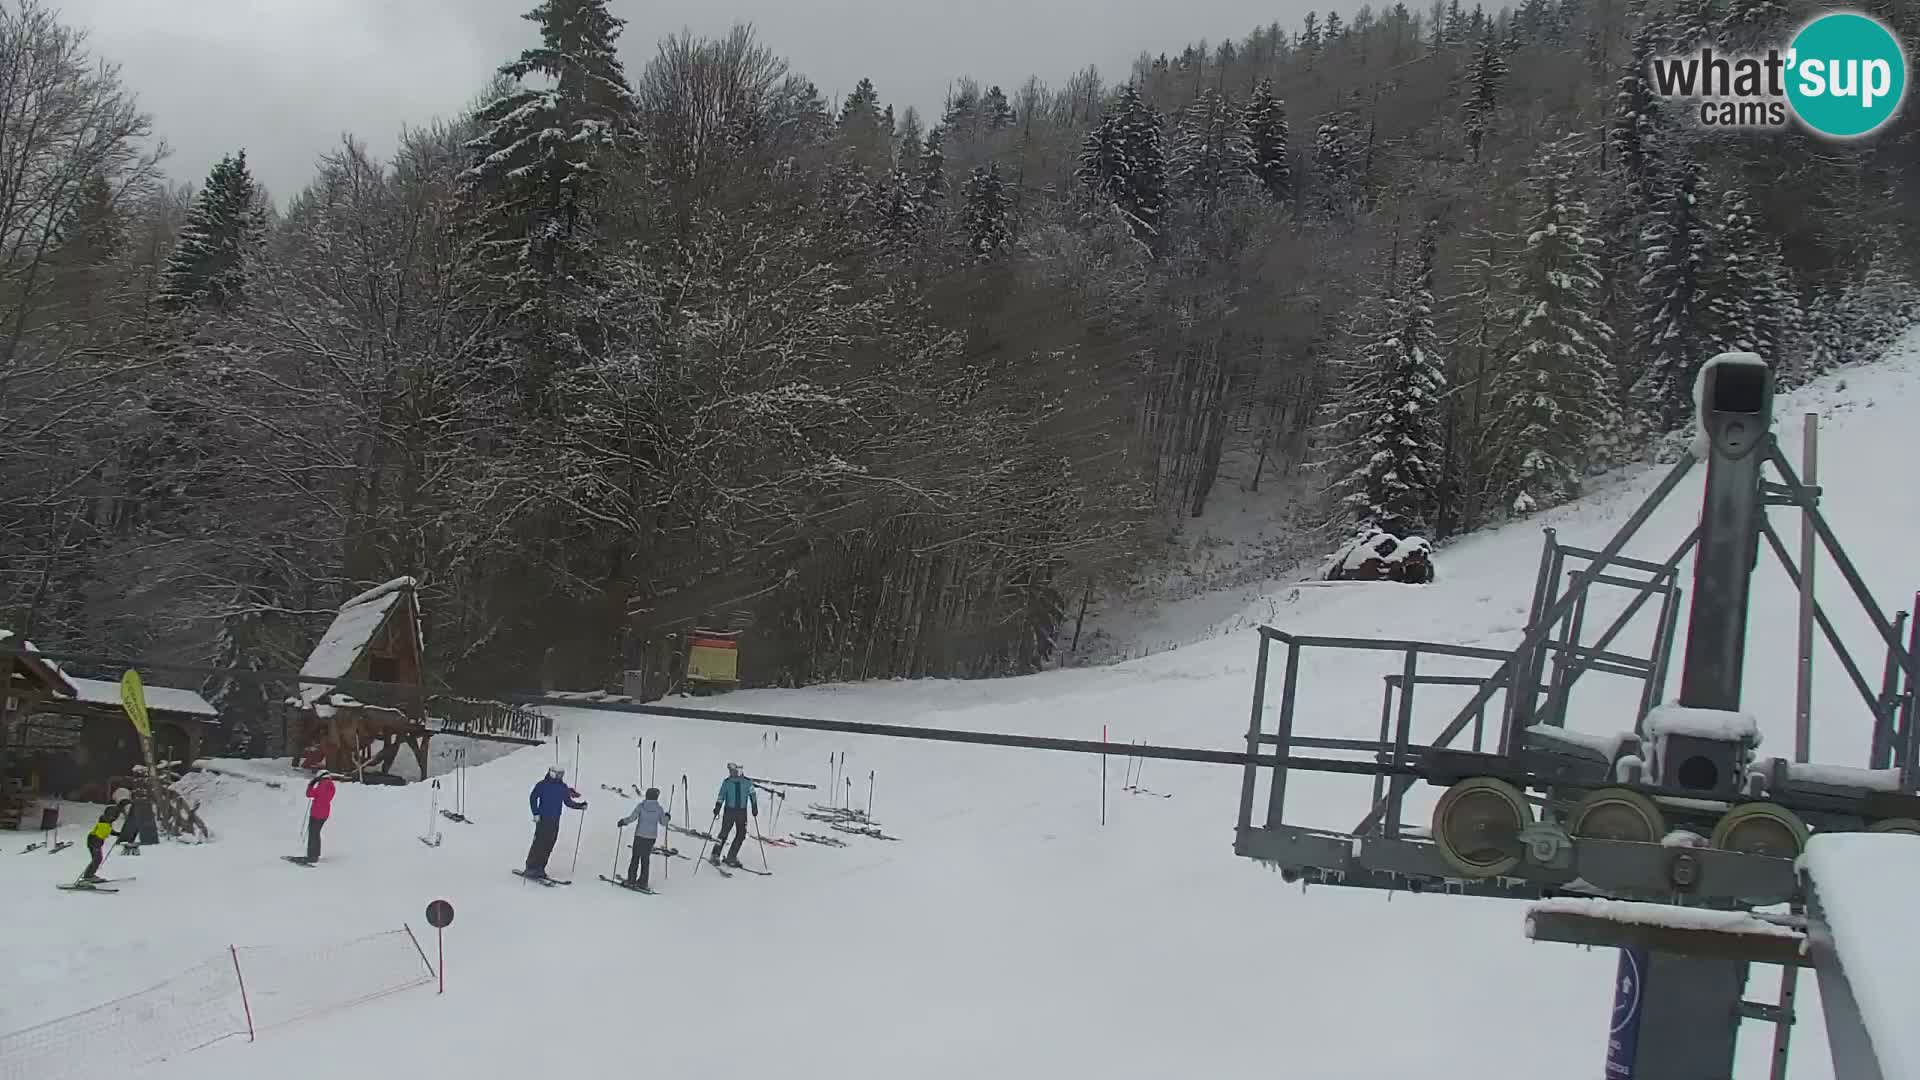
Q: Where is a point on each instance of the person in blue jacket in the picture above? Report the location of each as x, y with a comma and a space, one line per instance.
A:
546, 801
736, 798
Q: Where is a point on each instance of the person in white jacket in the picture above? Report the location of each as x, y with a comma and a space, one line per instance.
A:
647, 817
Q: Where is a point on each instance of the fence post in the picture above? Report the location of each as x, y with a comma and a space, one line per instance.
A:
246, 1006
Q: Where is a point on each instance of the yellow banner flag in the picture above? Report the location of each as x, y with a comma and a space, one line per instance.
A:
133, 697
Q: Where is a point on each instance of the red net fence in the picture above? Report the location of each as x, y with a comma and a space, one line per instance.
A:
246, 991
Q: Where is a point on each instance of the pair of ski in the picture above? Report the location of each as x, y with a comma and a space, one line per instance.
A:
547, 881
624, 885
727, 869
99, 885
55, 850
299, 860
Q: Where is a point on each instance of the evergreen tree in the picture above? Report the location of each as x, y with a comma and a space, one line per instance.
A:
1639, 124
90, 240
863, 129
898, 211
1123, 163
912, 139
1749, 24
1264, 127
798, 112
932, 170
1387, 468
208, 267
1553, 391
962, 106
995, 110
1674, 324
1335, 186
244, 704
1458, 29
1210, 150
541, 166
1694, 23
987, 213
1749, 305
1489, 74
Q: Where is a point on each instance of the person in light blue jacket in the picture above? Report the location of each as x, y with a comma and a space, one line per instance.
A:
647, 817
736, 798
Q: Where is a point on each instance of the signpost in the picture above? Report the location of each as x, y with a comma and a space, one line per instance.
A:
440, 916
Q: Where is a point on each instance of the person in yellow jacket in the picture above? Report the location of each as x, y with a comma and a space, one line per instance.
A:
103, 829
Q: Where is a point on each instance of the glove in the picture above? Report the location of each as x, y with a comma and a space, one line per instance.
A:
716, 809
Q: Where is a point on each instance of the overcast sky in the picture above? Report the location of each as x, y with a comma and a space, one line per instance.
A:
284, 78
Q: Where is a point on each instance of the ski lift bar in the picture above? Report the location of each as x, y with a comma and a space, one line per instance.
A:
897, 731
979, 738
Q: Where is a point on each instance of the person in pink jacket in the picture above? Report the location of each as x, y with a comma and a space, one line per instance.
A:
320, 807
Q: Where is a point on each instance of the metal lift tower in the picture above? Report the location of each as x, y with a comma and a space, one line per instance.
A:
1659, 840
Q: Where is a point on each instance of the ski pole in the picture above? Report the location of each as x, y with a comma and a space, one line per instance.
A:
703, 846
618, 842
763, 845
666, 868
578, 831
654, 780
869, 794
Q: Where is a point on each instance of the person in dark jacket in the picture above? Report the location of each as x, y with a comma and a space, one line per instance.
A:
547, 800
736, 798
102, 831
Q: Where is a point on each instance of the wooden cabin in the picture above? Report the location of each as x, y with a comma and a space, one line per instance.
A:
69, 736
351, 731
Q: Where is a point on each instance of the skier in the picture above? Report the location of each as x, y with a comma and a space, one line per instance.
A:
103, 829
647, 817
736, 798
319, 808
547, 799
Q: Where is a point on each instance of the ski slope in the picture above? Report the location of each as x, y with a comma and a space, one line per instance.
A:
1008, 932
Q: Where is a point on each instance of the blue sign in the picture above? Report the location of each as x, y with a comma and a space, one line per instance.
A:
1629, 995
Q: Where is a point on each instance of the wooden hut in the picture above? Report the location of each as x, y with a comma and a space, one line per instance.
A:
70, 736
375, 638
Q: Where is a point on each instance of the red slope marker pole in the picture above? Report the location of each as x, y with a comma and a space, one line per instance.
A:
242, 979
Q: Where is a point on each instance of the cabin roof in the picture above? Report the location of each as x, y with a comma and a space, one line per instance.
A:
346, 640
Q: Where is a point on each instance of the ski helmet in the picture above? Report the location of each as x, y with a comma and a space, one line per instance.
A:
556, 773
733, 767
122, 795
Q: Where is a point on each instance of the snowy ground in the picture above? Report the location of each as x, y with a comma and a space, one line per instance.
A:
1008, 933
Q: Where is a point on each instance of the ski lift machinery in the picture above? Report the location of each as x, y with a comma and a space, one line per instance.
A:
1678, 809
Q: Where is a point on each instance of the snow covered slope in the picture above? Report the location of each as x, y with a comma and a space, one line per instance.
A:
1007, 933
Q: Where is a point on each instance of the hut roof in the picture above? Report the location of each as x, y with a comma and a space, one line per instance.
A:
346, 641
164, 699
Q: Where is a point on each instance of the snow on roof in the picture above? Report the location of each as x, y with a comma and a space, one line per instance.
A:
360, 618
1661, 915
379, 591
1703, 724
61, 684
159, 698
1866, 884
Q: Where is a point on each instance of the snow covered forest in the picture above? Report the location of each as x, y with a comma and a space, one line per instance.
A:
627, 344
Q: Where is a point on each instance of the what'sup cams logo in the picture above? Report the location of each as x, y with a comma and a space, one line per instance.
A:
1844, 75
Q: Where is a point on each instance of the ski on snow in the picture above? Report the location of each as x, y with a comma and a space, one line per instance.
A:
298, 860
84, 886
624, 885
547, 881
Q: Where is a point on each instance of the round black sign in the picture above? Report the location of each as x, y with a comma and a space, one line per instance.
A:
439, 914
